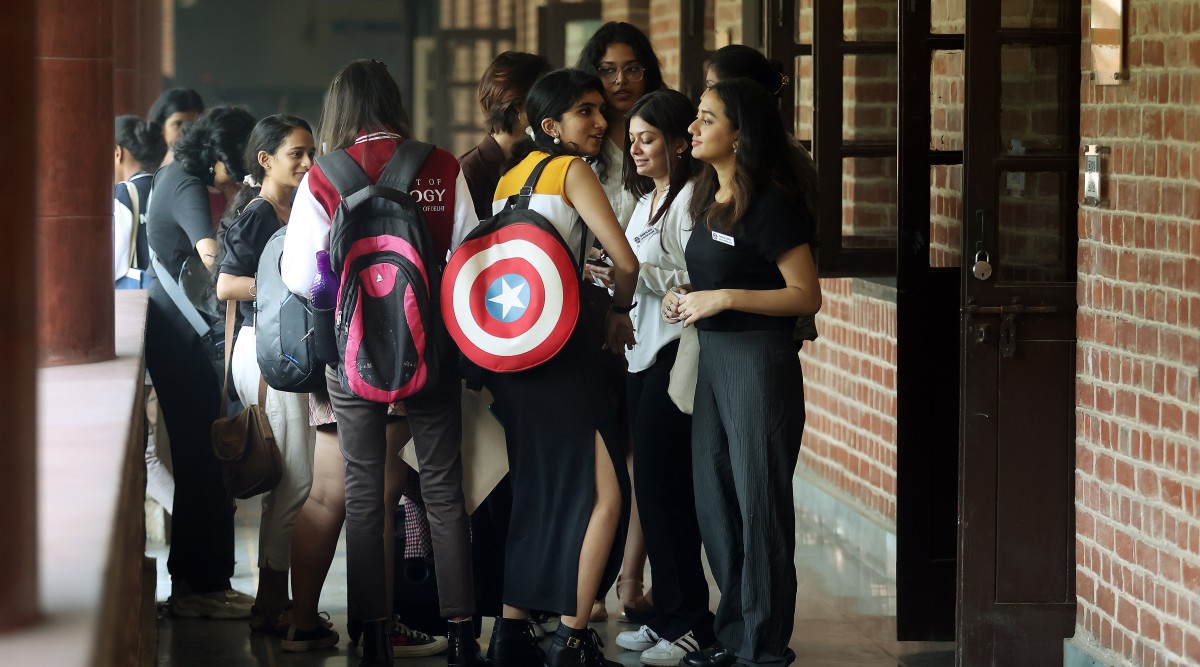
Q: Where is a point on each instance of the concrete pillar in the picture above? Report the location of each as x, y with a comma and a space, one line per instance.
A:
127, 38
74, 62
18, 313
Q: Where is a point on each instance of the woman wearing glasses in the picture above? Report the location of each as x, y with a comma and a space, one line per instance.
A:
620, 55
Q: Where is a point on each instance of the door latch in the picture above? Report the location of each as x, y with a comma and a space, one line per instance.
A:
981, 333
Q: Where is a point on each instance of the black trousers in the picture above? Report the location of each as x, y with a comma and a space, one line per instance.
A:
662, 473
747, 422
436, 421
201, 554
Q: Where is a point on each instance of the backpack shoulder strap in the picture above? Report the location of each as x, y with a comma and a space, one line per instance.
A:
135, 203
522, 198
404, 165
344, 174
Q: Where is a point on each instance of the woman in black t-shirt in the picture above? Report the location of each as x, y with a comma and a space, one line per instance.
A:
179, 231
752, 274
278, 154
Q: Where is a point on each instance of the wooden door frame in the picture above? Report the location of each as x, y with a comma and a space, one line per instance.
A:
994, 629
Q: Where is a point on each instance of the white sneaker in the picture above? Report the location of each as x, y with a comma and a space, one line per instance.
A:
668, 654
638, 640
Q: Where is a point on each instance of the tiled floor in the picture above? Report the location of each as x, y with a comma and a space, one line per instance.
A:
845, 617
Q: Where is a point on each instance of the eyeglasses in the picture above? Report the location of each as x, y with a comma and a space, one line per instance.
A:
632, 72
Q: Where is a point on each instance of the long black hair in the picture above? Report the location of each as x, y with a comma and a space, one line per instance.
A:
143, 140
552, 96
175, 100
670, 112
219, 135
619, 32
363, 96
766, 156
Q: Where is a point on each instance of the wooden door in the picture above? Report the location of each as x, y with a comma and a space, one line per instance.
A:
1016, 555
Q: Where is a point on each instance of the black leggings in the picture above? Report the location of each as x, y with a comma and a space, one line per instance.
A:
202, 520
662, 473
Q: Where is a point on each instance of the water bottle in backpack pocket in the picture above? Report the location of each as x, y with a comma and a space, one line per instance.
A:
387, 320
284, 325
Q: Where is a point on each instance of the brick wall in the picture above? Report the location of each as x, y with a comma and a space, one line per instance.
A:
636, 12
1138, 446
850, 395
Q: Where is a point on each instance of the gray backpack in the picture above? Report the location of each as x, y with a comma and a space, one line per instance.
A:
285, 344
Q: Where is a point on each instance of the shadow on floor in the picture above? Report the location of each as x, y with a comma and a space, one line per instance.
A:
845, 616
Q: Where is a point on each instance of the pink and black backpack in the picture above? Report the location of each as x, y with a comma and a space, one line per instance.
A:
388, 320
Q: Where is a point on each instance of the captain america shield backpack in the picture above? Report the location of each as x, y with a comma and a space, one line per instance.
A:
510, 293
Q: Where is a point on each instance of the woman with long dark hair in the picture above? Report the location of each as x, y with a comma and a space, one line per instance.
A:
278, 154
179, 231
173, 112
739, 60
752, 273
621, 56
564, 443
660, 174
365, 117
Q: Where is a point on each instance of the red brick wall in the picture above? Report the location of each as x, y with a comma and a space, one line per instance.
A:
1138, 447
850, 395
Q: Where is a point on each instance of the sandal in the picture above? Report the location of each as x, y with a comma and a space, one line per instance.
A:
599, 612
637, 609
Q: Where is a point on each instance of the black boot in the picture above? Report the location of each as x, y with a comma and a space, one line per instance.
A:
376, 644
577, 648
513, 645
463, 650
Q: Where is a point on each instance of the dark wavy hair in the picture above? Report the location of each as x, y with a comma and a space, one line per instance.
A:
619, 32
363, 96
504, 85
143, 139
739, 60
552, 96
671, 112
766, 156
218, 135
174, 101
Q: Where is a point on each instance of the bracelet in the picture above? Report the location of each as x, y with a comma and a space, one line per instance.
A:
624, 310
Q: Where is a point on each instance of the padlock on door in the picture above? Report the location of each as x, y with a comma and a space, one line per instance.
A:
982, 270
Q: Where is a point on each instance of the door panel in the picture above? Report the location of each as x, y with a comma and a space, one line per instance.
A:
1030, 507
1015, 602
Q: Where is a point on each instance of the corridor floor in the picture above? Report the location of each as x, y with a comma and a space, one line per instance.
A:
845, 616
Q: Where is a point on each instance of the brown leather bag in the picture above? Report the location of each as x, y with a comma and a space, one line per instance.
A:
244, 444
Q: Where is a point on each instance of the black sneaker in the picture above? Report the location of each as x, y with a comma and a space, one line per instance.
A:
295, 640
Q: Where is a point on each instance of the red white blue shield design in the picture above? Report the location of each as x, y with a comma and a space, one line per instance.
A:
510, 298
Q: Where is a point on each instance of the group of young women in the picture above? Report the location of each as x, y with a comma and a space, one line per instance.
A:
692, 216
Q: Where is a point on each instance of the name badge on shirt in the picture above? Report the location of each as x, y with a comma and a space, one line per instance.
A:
647, 233
723, 238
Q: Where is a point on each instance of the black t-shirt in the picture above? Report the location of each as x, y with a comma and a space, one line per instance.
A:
178, 217
774, 225
245, 241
